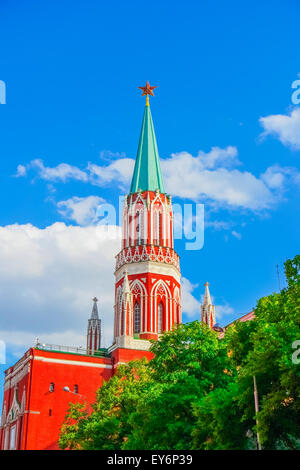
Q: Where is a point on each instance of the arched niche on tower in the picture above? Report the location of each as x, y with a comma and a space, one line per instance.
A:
161, 220
139, 296
161, 294
136, 222
177, 307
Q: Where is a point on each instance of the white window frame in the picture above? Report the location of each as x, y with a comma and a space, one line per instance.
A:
12, 437
137, 318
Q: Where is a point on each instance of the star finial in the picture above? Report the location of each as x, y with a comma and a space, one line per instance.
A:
147, 90
95, 299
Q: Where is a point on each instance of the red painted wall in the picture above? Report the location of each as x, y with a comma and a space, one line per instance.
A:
45, 410
39, 426
121, 355
44, 427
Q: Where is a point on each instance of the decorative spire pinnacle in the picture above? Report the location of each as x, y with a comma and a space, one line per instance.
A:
126, 287
94, 314
207, 308
147, 174
207, 298
93, 341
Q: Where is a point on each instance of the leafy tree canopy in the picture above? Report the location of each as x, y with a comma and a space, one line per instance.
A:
197, 392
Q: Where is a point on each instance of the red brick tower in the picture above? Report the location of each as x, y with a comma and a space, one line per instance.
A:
147, 275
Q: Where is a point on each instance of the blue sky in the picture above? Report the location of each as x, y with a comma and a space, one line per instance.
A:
71, 69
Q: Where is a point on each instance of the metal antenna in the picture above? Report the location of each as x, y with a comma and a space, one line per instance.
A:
278, 277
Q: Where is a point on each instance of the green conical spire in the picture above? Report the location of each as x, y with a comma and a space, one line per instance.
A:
147, 173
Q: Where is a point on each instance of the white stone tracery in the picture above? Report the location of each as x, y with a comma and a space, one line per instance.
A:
139, 293
126, 256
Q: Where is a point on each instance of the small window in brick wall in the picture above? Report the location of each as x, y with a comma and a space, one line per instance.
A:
51, 387
50, 412
75, 388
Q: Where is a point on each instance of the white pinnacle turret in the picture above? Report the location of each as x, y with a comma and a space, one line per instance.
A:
126, 287
95, 315
207, 299
94, 329
207, 308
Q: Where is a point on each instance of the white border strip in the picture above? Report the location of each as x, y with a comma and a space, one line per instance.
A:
73, 363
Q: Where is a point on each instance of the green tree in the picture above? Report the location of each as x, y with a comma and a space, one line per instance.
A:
190, 363
263, 348
107, 427
152, 405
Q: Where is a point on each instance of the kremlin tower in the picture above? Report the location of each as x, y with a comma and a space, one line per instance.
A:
147, 275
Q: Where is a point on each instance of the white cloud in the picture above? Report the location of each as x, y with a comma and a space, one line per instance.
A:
21, 171
223, 310
119, 171
82, 210
236, 234
61, 172
208, 177
286, 127
189, 177
190, 305
274, 177
277, 176
109, 155
48, 278
217, 157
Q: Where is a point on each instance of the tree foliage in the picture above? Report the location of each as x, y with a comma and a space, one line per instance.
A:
197, 392
190, 362
264, 348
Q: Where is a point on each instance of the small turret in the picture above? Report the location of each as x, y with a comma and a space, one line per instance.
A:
208, 309
94, 329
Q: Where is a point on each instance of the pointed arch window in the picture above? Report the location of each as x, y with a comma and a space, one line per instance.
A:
12, 440
160, 311
137, 318
140, 234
